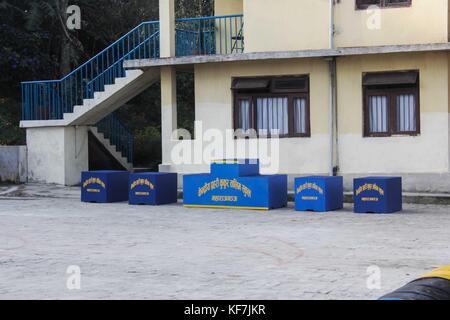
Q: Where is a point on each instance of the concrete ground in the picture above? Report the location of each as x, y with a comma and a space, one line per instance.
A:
168, 252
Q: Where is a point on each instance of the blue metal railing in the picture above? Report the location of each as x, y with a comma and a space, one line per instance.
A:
119, 136
49, 100
210, 35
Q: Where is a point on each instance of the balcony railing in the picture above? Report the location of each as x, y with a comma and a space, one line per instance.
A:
49, 100
210, 35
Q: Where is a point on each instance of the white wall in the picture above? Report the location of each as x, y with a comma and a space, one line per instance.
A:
57, 154
13, 164
427, 152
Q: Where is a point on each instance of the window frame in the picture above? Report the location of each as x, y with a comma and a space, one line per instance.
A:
290, 94
383, 4
236, 113
391, 93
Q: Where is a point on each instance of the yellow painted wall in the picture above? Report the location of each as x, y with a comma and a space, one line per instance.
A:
433, 83
448, 20
228, 27
214, 100
214, 96
426, 21
213, 82
278, 25
281, 25
427, 152
225, 7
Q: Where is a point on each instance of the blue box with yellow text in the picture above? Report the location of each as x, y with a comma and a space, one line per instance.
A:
153, 188
377, 194
104, 186
319, 193
235, 168
235, 184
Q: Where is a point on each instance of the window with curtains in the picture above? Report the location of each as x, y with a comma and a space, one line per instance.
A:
391, 103
277, 105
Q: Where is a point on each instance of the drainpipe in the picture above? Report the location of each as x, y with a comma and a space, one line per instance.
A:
332, 92
331, 34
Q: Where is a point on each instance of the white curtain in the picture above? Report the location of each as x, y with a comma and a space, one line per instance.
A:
300, 115
272, 114
244, 114
406, 113
378, 115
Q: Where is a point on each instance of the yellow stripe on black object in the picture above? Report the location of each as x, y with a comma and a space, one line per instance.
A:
442, 272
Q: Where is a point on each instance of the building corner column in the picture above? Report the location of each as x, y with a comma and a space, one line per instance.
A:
168, 111
167, 28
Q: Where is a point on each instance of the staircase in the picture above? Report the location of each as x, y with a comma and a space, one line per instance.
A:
90, 94
96, 88
116, 138
69, 119
113, 97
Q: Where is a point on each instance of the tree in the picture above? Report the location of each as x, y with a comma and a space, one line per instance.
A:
36, 45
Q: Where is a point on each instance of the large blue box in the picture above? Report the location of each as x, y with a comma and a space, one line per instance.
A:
231, 188
153, 188
104, 186
317, 193
377, 194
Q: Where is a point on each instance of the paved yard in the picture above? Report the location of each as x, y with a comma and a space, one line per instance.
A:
133, 252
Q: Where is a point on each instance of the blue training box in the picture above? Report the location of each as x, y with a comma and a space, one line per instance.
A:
104, 186
377, 194
235, 168
319, 194
235, 187
153, 188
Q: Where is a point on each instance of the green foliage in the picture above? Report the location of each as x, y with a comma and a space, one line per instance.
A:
36, 45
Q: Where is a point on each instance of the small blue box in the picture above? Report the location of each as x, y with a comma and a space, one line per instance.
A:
235, 168
104, 186
153, 188
377, 194
320, 194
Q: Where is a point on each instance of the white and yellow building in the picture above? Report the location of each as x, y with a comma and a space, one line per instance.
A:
354, 89
373, 95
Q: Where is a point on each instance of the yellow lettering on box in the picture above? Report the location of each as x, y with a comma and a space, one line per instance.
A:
93, 180
369, 187
142, 182
369, 199
224, 184
309, 186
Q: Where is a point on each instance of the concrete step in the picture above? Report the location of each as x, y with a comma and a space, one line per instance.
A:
112, 149
114, 96
104, 102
